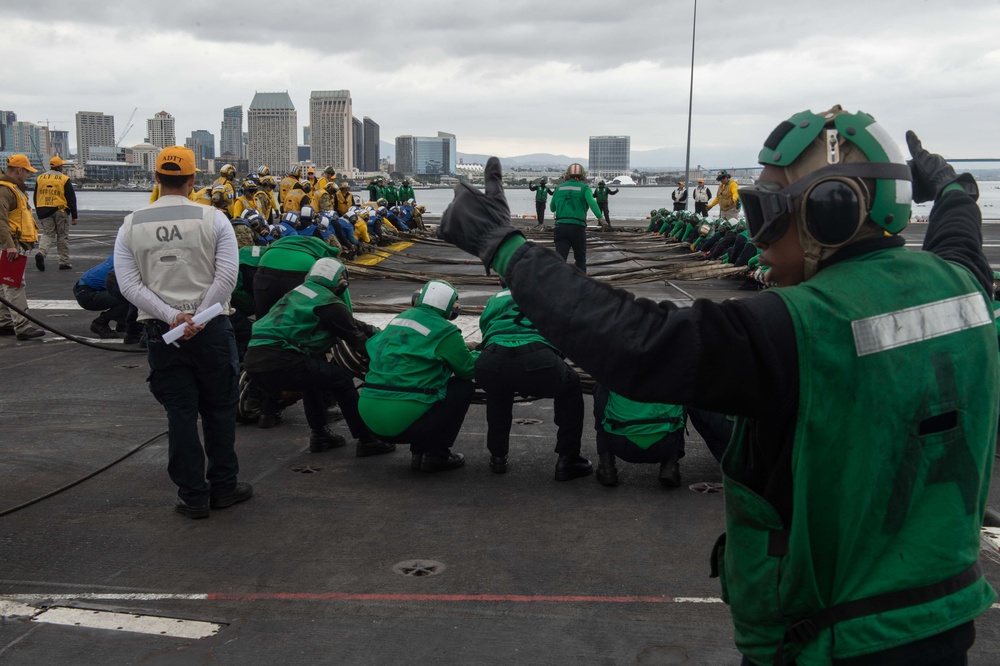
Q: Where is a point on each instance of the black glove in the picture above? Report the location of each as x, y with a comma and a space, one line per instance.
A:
931, 173
476, 222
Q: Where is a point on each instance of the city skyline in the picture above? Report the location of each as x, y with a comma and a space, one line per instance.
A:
510, 80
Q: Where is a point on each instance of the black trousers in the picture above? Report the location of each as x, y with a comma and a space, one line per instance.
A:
680, 205
314, 377
435, 432
671, 444
242, 332
604, 209
270, 284
131, 317
114, 308
197, 378
540, 211
701, 208
573, 236
532, 370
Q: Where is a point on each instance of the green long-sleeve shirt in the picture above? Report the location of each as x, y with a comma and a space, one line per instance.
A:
571, 201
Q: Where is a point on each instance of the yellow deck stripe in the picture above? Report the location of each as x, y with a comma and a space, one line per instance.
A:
377, 256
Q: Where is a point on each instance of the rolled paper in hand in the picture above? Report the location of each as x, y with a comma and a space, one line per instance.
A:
200, 319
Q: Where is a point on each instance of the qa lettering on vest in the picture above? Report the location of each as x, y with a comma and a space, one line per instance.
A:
165, 235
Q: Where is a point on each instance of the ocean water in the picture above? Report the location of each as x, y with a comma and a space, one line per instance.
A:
630, 202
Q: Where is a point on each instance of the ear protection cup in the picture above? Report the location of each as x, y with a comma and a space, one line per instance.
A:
456, 310
415, 298
834, 209
341, 286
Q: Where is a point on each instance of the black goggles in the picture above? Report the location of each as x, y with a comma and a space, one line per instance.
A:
768, 208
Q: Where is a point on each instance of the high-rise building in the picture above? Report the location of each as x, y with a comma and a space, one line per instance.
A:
306, 135
371, 151
58, 143
93, 129
199, 152
231, 134
145, 154
273, 129
405, 154
207, 141
427, 155
330, 129
160, 130
358, 131
30, 139
7, 118
609, 156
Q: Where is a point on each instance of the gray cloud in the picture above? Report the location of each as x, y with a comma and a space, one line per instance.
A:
519, 74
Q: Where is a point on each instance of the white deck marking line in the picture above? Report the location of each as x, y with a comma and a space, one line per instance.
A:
138, 624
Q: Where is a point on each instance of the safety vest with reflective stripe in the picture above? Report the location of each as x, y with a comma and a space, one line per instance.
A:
173, 241
51, 190
404, 362
891, 461
292, 324
22, 225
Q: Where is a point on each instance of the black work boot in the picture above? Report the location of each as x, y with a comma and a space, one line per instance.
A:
369, 445
607, 473
323, 440
269, 420
100, 328
572, 467
241, 492
40, 261
433, 463
416, 460
498, 464
670, 472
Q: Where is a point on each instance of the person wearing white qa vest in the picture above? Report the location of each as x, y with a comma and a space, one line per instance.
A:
174, 259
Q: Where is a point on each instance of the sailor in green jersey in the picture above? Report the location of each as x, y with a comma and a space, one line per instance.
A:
405, 192
654, 221
374, 190
570, 202
289, 348
637, 432
516, 359
866, 384
601, 197
390, 193
542, 194
418, 388
285, 265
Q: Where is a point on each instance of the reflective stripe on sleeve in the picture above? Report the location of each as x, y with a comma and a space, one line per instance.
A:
923, 322
409, 323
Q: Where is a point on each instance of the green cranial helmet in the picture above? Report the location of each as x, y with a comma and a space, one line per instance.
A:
841, 143
439, 296
330, 273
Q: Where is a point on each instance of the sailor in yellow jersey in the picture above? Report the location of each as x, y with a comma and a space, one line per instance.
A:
55, 202
264, 198
287, 183
227, 175
328, 177
246, 200
17, 233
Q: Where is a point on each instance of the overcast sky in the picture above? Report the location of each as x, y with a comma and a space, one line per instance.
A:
511, 77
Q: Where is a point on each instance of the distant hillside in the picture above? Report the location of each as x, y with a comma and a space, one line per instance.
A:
658, 158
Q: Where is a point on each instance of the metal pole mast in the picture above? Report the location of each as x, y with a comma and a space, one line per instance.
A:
687, 159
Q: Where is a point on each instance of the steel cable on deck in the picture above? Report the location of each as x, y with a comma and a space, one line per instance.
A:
72, 338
